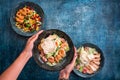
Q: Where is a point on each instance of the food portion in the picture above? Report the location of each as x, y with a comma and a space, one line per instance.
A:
27, 19
53, 49
88, 60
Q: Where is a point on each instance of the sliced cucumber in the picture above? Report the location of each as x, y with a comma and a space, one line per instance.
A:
49, 64
53, 64
49, 55
91, 50
77, 61
79, 49
67, 49
81, 68
82, 50
56, 53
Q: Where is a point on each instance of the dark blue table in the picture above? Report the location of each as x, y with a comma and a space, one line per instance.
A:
94, 21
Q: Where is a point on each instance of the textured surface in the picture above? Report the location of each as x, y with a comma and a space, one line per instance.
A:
94, 21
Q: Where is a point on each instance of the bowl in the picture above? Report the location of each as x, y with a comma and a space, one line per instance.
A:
66, 60
34, 6
101, 61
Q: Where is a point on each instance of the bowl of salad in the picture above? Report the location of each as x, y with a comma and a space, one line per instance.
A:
53, 50
90, 60
27, 18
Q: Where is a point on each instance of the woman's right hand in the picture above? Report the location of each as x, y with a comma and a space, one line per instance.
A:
30, 44
65, 73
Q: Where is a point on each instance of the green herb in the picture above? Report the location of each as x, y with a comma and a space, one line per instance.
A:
28, 25
32, 30
26, 21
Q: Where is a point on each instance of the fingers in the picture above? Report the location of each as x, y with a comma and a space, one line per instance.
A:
34, 37
61, 75
70, 67
74, 58
39, 32
75, 54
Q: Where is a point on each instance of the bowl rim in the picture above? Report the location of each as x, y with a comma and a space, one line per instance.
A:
101, 63
55, 68
19, 31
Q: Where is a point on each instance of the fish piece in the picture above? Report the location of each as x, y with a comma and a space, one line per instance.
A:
61, 52
90, 56
84, 70
58, 57
39, 47
42, 53
64, 45
96, 62
19, 16
97, 55
51, 59
44, 59
56, 43
93, 66
86, 49
24, 13
63, 40
19, 20
48, 46
90, 71
96, 59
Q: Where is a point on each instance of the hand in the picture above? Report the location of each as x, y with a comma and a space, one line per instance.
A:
64, 73
30, 43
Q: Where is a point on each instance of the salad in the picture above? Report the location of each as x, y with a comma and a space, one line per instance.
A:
88, 60
27, 19
53, 49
